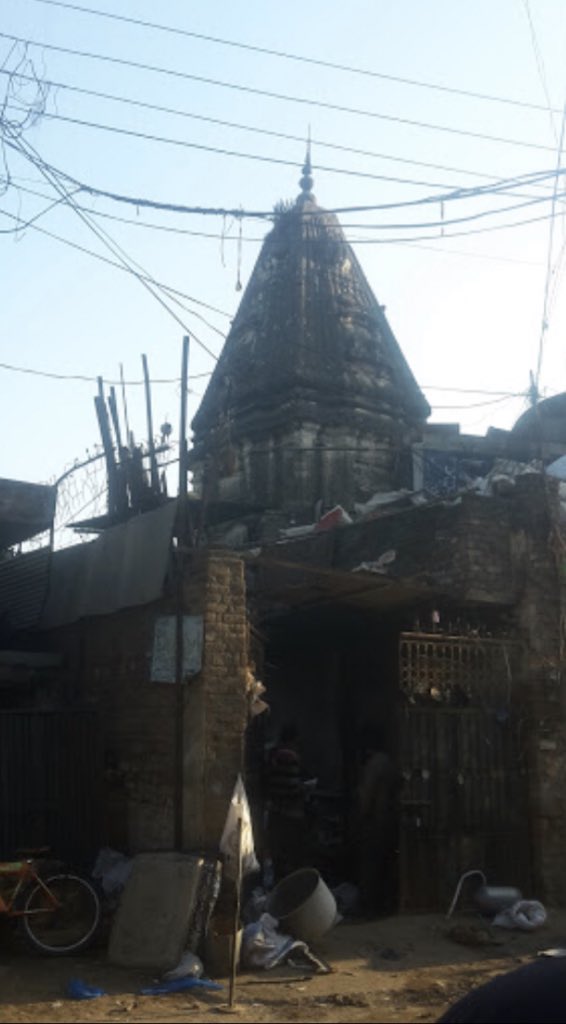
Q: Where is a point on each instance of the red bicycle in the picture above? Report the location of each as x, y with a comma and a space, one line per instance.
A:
59, 912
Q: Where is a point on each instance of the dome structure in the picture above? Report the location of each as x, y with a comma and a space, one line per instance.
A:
311, 403
544, 422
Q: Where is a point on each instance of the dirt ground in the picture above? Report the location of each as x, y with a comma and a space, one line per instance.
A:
391, 970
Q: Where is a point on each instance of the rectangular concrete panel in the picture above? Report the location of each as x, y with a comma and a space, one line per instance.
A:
153, 919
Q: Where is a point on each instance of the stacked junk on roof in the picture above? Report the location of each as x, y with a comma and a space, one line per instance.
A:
359, 612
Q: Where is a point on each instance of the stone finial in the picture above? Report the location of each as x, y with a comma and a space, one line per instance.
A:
307, 180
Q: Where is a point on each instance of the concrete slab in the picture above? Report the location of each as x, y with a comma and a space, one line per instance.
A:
153, 919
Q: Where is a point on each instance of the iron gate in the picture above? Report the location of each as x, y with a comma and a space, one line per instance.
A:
463, 757
50, 778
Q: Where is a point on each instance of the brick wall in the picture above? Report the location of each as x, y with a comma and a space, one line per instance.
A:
538, 615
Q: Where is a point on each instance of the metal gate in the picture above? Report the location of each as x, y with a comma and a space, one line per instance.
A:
50, 779
463, 757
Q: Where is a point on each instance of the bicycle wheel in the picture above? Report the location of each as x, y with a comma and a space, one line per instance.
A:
63, 919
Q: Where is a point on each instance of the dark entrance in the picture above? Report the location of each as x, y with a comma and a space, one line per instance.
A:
332, 673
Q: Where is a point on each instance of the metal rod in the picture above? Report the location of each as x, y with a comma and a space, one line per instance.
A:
237, 911
113, 406
150, 441
179, 760
183, 451
103, 422
182, 525
125, 403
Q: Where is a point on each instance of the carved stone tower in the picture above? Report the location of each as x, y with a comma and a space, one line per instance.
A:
312, 403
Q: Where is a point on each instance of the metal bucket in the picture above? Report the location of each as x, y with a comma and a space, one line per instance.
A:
303, 905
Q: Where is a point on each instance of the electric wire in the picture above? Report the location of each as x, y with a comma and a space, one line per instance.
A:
320, 143
175, 111
550, 253
103, 259
494, 396
539, 60
85, 378
241, 214
27, 150
137, 223
268, 94
285, 55
223, 151
357, 241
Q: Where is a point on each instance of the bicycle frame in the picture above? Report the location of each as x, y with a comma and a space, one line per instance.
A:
23, 872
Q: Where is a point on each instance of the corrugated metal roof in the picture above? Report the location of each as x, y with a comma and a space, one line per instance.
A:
25, 510
124, 567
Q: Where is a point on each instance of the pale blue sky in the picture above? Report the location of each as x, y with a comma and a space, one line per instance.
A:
466, 310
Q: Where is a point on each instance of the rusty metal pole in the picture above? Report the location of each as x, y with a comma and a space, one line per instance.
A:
237, 912
150, 440
183, 451
182, 539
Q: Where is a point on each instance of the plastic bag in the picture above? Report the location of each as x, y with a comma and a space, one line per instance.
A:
264, 946
239, 810
112, 869
189, 966
164, 988
77, 989
524, 915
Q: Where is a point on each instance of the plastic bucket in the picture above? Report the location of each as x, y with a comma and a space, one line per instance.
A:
491, 899
303, 905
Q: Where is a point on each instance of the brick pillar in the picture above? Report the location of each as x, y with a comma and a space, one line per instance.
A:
216, 707
540, 614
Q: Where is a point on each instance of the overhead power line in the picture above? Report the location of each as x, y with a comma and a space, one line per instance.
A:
478, 405
224, 237
550, 253
166, 140
85, 378
255, 129
268, 94
499, 187
146, 281
103, 259
494, 396
415, 240
442, 223
223, 151
301, 58
539, 59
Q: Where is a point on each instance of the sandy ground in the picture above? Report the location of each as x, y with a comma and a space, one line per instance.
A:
391, 970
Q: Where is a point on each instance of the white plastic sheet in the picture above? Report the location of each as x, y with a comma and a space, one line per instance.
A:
239, 811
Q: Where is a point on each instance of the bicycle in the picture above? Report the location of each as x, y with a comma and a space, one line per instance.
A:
59, 913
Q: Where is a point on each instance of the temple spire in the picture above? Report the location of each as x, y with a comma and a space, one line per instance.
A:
307, 180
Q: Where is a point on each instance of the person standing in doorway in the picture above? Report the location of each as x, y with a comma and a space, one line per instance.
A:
286, 804
378, 791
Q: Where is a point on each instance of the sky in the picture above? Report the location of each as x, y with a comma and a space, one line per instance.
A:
465, 300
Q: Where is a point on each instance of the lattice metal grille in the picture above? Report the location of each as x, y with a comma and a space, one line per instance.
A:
456, 670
